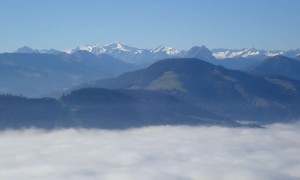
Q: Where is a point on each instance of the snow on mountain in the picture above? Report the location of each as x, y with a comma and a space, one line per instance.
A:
225, 53
131, 54
250, 53
100, 49
119, 47
95, 49
147, 56
167, 50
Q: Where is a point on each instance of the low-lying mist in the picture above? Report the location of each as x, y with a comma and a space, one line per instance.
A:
160, 153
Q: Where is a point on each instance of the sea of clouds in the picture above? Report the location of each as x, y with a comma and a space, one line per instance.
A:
152, 153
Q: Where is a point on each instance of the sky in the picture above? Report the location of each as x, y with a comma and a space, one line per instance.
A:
160, 153
263, 24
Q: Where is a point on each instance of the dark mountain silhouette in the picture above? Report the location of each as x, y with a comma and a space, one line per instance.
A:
104, 108
95, 107
21, 112
231, 93
278, 65
297, 57
36, 74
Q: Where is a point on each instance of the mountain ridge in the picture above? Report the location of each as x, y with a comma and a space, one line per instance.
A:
168, 52
239, 59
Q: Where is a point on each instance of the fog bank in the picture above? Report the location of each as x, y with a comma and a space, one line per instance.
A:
160, 153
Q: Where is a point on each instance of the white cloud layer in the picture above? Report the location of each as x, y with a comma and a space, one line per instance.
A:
153, 153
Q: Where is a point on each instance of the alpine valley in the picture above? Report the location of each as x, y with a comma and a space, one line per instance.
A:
118, 86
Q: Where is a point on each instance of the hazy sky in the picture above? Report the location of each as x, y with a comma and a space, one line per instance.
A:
266, 24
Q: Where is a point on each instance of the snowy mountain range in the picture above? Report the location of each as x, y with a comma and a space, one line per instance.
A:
147, 56
252, 53
131, 54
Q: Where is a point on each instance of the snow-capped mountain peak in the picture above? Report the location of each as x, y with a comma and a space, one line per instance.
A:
244, 53
117, 46
95, 49
168, 50
252, 53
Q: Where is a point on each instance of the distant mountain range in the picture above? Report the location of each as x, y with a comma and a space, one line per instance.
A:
26, 49
144, 57
36, 74
278, 66
252, 53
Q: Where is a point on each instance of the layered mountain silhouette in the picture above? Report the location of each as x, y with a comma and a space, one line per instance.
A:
278, 65
182, 91
230, 93
104, 108
37, 74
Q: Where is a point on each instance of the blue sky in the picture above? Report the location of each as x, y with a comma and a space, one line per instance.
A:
63, 24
